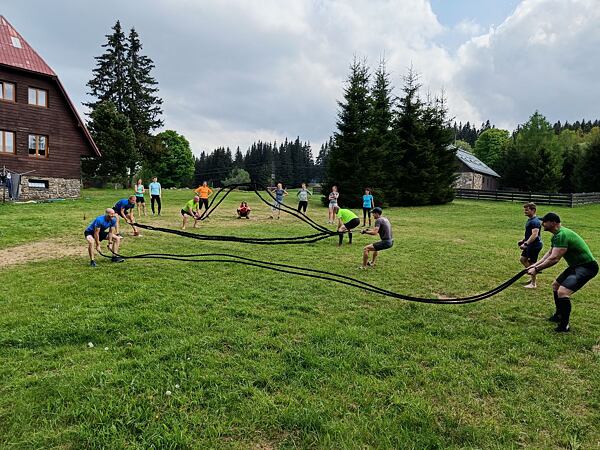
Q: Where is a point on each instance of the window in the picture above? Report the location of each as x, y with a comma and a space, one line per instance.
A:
7, 142
38, 97
38, 146
38, 184
16, 42
7, 91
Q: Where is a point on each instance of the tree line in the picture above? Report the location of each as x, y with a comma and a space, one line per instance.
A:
543, 157
289, 162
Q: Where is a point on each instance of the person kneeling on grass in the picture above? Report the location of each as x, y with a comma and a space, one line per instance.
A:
101, 229
347, 220
192, 209
582, 267
244, 211
383, 227
124, 209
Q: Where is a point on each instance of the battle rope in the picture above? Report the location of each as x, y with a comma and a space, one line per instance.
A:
324, 232
320, 274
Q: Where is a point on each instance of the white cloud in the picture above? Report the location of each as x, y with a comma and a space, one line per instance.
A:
468, 27
541, 58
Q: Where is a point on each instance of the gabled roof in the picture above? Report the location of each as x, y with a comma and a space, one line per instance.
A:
15, 52
473, 163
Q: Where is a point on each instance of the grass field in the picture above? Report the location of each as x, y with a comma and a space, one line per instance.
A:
257, 359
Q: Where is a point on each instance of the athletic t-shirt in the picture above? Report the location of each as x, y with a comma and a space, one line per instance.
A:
346, 215
204, 191
279, 195
578, 251
367, 201
154, 188
531, 224
102, 223
385, 229
139, 190
303, 195
123, 205
191, 206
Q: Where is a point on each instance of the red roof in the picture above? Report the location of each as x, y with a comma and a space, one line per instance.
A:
16, 52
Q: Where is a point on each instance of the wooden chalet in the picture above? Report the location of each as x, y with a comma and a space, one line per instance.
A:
42, 137
473, 173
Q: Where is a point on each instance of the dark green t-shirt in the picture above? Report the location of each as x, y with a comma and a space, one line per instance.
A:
578, 251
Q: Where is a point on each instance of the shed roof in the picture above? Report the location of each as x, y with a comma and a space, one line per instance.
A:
474, 163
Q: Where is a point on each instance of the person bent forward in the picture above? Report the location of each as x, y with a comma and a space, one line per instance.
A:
192, 209
383, 227
103, 228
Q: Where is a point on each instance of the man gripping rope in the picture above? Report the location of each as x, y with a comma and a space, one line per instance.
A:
383, 227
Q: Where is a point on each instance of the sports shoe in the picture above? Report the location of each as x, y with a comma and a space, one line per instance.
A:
554, 318
370, 264
93, 263
362, 267
561, 329
117, 259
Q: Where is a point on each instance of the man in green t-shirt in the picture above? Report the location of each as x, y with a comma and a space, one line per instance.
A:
347, 220
582, 267
192, 209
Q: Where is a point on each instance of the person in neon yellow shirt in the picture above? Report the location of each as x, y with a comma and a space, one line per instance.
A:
347, 220
192, 209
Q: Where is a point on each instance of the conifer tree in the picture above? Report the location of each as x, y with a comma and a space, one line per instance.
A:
142, 105
349, 151
109, 82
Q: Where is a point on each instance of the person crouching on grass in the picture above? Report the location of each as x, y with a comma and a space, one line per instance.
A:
532, 244
383, 227
124, 209
103, 228
347, 221
192, 209
243, 211
582, 267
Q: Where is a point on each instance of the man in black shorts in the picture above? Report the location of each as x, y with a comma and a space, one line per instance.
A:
532, 244
582, 267
383, 227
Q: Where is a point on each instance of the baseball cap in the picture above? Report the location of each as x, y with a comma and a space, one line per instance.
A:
377, 210
551, 217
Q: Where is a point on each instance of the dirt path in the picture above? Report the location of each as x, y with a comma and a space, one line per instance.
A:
41, 251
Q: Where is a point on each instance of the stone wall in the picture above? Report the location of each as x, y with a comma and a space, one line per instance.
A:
469, 180
57, 188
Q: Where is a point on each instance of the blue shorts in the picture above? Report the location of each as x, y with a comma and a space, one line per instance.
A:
532, 253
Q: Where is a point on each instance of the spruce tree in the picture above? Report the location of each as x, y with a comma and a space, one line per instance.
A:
349, 151
109, 82
142, 105
381, 139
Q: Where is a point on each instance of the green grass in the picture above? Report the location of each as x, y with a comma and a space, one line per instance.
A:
267, 360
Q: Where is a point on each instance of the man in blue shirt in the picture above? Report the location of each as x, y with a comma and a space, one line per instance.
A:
124, 209
532, 244
103, 228
155, 194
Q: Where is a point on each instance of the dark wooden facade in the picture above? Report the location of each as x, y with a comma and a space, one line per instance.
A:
67, 138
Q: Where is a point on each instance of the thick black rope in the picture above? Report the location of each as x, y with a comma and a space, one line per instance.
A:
323, 275
306, 239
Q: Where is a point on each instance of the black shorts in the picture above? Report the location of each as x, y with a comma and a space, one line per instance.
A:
140, 200
243, 213
574, 277
383, 245
103, 234
204, 201
184, 212
352, 223
532, 253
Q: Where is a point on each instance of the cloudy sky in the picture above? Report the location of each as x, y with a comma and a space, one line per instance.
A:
235, 71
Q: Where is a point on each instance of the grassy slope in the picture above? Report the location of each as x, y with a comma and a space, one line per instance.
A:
275, 360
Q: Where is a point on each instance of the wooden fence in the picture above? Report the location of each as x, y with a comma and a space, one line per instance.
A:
541, 198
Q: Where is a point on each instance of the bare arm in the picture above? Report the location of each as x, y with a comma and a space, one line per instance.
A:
551, 258
373, 231
534, 234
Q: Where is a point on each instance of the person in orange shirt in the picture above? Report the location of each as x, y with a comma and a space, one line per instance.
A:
204, 192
